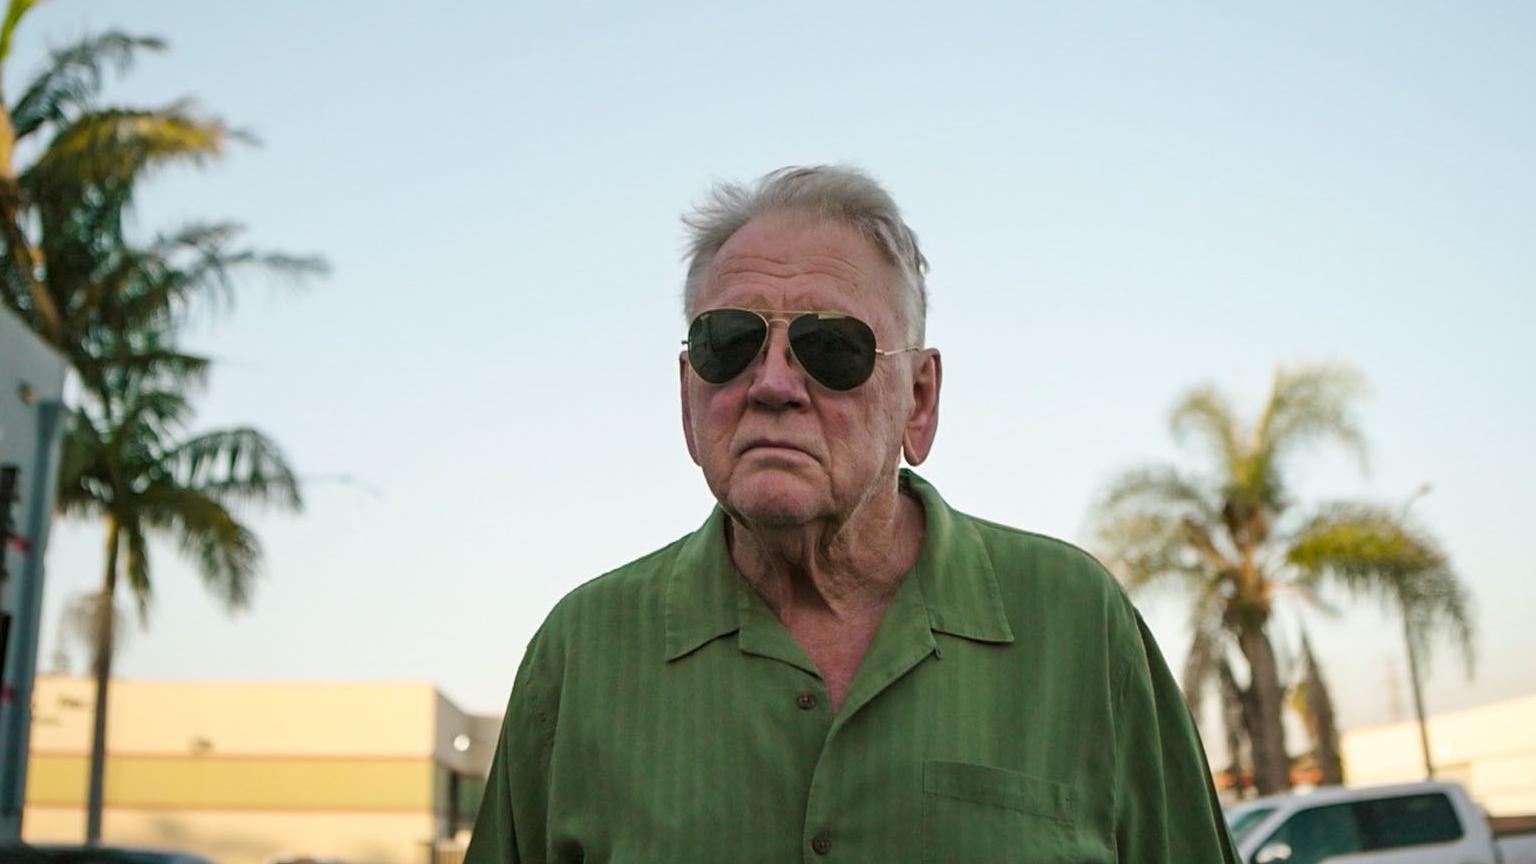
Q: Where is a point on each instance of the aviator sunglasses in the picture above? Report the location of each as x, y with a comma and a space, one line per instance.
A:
837, 350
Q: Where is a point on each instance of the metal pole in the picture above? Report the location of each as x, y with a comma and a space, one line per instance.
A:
21, 662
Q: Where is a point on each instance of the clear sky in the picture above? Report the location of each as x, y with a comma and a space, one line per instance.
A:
1119, 201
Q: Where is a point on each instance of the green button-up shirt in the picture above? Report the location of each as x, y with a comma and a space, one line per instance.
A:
1012, 707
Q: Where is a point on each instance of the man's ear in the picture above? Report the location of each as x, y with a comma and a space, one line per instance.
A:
682, 376
923, 422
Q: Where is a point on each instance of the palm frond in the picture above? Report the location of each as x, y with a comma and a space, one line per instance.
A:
142, 425
1206, 414
137, 569
1437, 603
201, 262
156, 413
74, 77
84, 486
129, 289
13, 15
186, 489
1365, 548
1308, 405
225, 550
115, 148
1163, 488
1152, 525
1372, 552
114, 361
236, 466
1145, 550
166, 366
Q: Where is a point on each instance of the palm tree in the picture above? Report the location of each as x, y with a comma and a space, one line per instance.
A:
133, 467
1419, 585
67, 268
1232, 538
112, 305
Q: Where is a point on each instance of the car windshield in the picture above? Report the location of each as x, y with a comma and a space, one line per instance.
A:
1242, 824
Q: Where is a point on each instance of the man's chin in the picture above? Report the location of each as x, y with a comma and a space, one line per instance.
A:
776, 504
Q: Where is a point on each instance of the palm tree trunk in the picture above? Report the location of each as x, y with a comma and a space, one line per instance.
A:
103, 670
1266, 732
1418, 695
18, 247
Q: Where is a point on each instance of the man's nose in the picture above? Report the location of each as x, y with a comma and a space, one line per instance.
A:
777, 380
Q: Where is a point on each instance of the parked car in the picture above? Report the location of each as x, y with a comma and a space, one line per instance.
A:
49, 854
1413, 823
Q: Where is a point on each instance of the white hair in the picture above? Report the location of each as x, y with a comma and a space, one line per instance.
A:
837, 193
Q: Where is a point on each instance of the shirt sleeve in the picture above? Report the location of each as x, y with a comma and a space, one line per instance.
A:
1166, 806
510, 827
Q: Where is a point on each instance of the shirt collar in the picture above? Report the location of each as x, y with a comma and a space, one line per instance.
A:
954, 573
701, 589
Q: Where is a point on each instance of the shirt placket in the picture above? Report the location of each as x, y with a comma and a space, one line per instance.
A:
903, 641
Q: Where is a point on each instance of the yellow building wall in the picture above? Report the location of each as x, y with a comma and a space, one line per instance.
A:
237, 782
1491, 750
244, 772
239, 717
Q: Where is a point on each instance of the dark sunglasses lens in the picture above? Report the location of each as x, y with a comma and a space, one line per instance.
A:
723, 342
838, 351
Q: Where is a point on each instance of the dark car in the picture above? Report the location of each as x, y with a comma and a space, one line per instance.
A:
94, 855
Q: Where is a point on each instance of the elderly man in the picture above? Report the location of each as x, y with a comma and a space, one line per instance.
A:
837, 665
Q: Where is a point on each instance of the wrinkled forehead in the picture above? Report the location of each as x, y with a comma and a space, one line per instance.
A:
788, 260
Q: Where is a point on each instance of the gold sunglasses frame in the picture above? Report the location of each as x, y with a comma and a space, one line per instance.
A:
772, 316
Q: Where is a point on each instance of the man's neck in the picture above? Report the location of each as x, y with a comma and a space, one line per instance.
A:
832, 572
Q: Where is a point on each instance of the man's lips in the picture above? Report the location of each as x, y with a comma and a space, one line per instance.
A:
771, 444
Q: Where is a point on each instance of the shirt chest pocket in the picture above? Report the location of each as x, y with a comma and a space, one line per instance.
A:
977, 813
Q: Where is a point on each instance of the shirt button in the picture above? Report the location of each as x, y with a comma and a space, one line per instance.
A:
806, 700
821, 844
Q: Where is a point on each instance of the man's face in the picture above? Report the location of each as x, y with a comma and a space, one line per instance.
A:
776, 447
